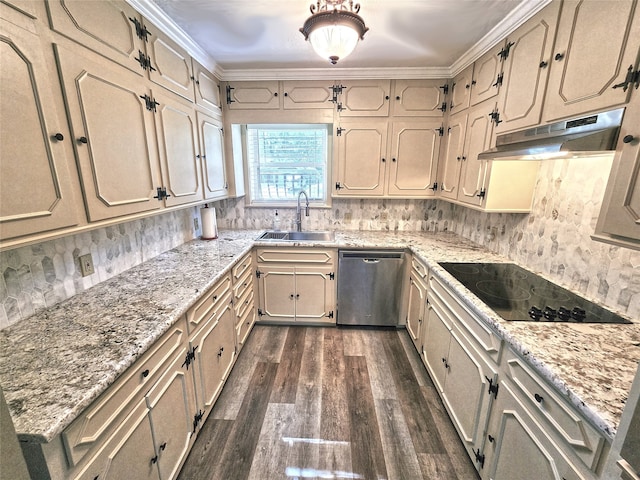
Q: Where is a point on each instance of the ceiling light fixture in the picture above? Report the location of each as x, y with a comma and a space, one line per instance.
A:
334, 28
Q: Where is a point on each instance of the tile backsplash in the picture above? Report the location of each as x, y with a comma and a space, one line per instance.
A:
38, 276
554, 240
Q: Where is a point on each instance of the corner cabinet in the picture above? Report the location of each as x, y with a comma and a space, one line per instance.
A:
371, 165
619, 219
36, 149
296, 285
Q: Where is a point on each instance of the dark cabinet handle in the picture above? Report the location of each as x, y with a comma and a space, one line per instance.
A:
543, 64
393, 159
286, 94
558, 57
383, 160
473, 82
145, 374
490, 438
59, 137
154, 459
291, 296
297, 295
467, 86
398, 97
538, 398
275, 94
386, 97
163, 446
83, 140
220, 351
628, 139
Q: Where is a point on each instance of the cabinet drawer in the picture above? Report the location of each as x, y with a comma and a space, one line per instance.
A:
90, 428
241, 267
296, 255
243, 303
419, 268
201, 311
244, 325
241, 286
470, 325
560, 417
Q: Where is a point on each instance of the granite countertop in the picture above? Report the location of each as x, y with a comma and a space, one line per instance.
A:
55, 363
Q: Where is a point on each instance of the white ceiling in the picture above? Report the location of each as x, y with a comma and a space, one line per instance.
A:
247, 37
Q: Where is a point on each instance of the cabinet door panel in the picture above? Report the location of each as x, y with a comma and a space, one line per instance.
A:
315, 294
119, 163
485, 74
451, 159
30, 156
277, 293
171, 411
171, 64
178, 144
415, 148
437, 336
207, 88
104, 27
597, 41
307, 94
524, 79
365, 98
478, 138
418, 98
416, 311
212, 155
361, 163
461, 91
253, 96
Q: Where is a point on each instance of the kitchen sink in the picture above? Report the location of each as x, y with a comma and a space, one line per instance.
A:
309, 236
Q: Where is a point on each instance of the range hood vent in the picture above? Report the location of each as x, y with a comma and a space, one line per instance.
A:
584, 135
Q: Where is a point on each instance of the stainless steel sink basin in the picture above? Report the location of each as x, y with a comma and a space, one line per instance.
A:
309, 236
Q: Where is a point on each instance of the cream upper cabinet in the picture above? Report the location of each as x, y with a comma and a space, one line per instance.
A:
111, 28
364, 98
460, 91
307, 94
214, 173
361, 162
487, 71
113, 134
176, 131
415, 147
207, 88
597, 42
526, 70
170, 64
619, 219
36, 153
253, 95
451, 157
423, 98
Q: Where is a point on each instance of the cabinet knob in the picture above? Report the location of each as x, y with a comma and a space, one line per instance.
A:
490, 438
558, 57
291, 296
543, 64
398, 97
163, 446
145, 374
286, 94
383, 160
83, 140
458, 158
393, 159
386, 97
539, 398
467, 86
154, 459
628, 139
275, 94
58, 136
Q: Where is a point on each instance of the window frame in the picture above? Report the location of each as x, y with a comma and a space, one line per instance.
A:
253, 203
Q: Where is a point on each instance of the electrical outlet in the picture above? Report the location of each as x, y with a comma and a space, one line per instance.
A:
86, 265
196, 223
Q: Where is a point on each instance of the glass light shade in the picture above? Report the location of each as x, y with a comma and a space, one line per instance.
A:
333, 42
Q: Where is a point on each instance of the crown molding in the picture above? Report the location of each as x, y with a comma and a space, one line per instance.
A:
161, 20
516, 17
335, 73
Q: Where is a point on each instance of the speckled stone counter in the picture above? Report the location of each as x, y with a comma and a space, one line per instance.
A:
55, 363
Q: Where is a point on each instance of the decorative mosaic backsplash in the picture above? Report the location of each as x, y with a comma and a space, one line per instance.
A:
38, 276
554, 240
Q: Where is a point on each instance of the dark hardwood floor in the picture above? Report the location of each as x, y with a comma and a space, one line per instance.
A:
344, 403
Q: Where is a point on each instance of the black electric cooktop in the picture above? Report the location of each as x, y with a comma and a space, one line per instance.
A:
519, 295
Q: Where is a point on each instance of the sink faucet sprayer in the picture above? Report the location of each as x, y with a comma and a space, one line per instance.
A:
299, 211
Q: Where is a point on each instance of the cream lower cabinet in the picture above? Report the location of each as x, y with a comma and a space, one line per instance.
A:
366, 167
36, 148
296, 285
244, 299
464, 377
417, 301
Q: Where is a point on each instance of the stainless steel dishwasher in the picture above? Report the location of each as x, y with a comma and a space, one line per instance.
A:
369, 287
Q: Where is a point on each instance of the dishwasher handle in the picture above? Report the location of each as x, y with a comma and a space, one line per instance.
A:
371, 260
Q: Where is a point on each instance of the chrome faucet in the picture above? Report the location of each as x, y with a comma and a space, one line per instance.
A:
299, 210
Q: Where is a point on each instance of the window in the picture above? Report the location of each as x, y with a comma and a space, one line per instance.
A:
284, 159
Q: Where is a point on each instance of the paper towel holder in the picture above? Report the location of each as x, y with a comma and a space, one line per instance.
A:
209, 223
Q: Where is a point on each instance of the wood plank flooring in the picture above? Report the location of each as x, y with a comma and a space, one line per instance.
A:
343, 403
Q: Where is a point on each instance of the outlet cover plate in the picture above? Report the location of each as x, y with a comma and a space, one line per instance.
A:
86, 265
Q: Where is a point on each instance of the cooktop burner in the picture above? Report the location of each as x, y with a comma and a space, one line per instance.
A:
517, 294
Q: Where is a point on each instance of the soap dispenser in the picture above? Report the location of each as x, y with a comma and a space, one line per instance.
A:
276, 221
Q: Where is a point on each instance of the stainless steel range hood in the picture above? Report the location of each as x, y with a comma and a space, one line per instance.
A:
585, 135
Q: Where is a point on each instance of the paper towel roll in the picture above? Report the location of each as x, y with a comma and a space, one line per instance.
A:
209, 224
